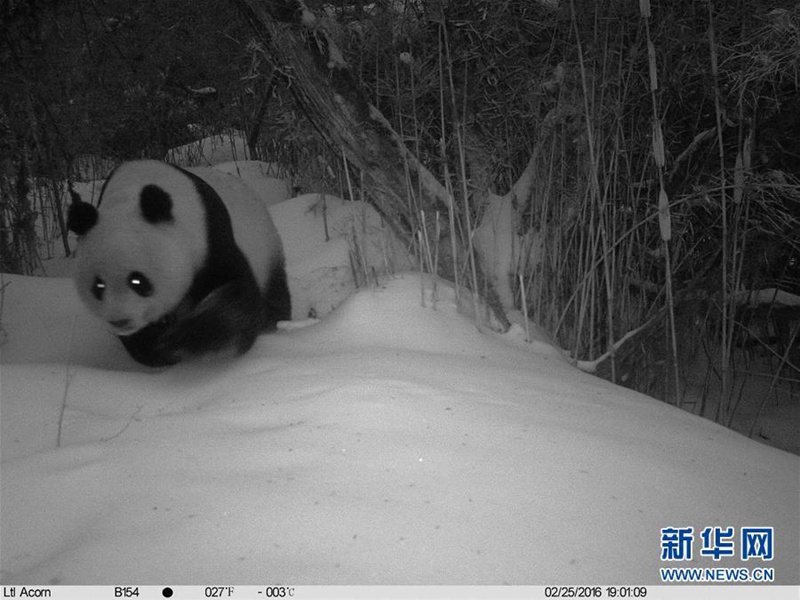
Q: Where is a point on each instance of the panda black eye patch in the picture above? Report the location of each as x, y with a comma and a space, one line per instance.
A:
98, 288
140, 284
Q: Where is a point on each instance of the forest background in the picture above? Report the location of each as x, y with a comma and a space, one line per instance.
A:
624, 173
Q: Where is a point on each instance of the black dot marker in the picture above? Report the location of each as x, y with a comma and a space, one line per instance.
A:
167, 592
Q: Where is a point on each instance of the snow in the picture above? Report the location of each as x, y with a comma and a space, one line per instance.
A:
498, 245
211, 150
388, 443
260, 177
327, 243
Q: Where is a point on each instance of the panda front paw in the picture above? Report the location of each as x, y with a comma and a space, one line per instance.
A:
215, 324
145, 346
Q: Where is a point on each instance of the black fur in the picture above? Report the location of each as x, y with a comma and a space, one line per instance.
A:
142, 345
156, 205
81, 216
277, 301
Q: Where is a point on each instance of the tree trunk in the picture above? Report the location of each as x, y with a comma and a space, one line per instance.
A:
302, 46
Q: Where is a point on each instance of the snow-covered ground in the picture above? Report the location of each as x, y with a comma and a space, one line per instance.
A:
389, 443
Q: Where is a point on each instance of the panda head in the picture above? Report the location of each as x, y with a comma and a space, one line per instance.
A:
137, 255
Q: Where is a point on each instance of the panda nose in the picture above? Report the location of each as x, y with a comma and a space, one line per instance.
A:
120, 323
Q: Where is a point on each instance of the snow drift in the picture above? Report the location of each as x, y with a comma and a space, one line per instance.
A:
389, 443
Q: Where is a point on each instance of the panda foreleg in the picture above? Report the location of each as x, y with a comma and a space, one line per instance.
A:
143, 346
228, 317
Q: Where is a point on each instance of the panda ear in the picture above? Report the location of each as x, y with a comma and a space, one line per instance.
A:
81, 216
156, 204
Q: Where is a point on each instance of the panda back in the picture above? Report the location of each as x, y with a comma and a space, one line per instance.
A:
253, 229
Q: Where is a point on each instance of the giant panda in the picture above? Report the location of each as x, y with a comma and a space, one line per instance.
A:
179, 263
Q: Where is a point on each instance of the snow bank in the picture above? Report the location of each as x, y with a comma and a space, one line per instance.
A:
211, 150
259, 177
328, 244
389, 443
